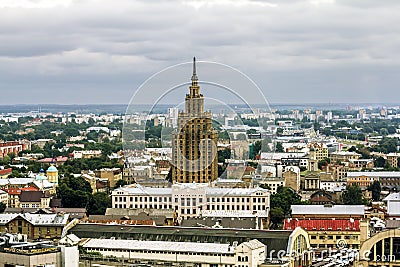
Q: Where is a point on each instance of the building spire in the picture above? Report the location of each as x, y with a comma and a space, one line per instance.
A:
194, 76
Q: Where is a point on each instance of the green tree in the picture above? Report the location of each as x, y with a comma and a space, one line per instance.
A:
3, 207
98, 203
6, 160
352, 195
284, 198
380, 162
120, 183
279, 147
375, 188
223, 155
277, 215
322, 163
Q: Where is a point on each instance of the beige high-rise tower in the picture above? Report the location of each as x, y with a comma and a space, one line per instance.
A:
194, 144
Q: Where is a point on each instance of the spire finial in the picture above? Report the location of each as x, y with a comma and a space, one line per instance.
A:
194, 66
194, 76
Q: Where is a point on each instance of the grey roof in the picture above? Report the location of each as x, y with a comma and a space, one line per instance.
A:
36, 219
276, 239
328, 210
392, 197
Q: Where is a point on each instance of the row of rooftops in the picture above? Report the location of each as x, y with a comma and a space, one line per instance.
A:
59, 219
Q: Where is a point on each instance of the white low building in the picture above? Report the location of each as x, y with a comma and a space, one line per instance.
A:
393, 205
165, 253
189, 200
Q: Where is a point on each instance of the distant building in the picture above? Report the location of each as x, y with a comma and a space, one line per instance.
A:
111, 174
343, 156
10, 147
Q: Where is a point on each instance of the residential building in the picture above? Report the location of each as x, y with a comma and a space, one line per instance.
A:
111, 174
387, 179
194, 143
10, 147
34, 199
86, 154
35, 226
393, 159
320, 150
4, 197
273, 183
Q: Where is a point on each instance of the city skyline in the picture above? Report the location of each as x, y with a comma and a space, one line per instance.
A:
296, 51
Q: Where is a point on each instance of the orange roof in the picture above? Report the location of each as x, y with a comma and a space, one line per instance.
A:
6, 171
29, 188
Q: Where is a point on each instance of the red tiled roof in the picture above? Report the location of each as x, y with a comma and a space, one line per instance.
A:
12, 191
6, 171
326, 225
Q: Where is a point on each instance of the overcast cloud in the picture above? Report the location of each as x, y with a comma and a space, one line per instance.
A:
92, 51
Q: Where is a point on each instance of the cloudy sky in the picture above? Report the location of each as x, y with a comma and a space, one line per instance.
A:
100, 51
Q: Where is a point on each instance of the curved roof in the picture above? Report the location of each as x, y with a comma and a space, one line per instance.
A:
52, 169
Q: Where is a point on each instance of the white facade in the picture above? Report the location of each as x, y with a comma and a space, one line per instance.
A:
189, 200
165, 253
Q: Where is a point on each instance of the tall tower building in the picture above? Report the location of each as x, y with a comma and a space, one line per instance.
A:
194, 144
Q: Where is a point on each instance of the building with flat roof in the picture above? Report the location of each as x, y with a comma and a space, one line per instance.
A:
328, 211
